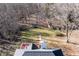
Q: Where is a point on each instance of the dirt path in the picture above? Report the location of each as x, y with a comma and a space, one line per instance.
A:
74, 37
72, 47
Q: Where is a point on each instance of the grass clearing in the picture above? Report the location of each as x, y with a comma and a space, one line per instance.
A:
32, 34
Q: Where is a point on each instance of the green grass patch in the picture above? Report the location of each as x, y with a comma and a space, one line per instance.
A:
45, 32
34, 32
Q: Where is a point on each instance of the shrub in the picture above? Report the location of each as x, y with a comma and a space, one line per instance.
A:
60, 34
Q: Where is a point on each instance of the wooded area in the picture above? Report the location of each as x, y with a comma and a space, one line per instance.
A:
15, 18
